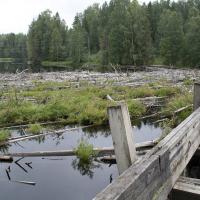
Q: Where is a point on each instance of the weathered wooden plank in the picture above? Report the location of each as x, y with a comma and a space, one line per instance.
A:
121, 131
186, 189
196, 95
154, 176
190, 185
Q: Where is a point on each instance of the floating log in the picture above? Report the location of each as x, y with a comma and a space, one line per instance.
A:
108, 159
141, 148
6, 159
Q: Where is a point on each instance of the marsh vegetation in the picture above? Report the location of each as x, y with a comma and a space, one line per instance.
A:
87, 104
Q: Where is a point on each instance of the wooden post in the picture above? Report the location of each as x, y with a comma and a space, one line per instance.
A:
121, 130
196, 100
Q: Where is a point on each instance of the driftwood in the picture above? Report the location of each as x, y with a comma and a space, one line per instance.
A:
182, 109
164, 117
150, 98
160, 120
109, 97
6, 159
154, 115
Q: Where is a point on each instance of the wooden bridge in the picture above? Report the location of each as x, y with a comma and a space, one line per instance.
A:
158, 174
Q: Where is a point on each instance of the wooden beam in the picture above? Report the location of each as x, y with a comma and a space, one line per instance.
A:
190, 185
196, 100
122, 135
154, 176
186, 189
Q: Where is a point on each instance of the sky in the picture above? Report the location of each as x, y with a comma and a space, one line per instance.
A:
17, 15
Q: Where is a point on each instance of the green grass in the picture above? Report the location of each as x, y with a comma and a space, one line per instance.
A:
35, 129
177, 102
55, 101
84, 151
4, 135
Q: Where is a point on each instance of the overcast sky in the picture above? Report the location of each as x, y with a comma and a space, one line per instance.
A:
16, 15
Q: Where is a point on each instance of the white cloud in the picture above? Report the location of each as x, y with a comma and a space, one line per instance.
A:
16, 15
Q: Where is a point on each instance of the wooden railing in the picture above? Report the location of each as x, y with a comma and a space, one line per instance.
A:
155, 175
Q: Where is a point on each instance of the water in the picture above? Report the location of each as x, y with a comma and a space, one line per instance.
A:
62, 178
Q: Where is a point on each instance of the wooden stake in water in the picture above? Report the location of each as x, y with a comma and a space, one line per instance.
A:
196, 100
123, 141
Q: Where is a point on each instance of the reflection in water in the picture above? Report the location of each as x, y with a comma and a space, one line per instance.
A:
5, 148
62, 175
85, 167
96, 130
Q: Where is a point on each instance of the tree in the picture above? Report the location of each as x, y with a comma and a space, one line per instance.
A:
118, 24
58, 42
77, 40
139, 35
90, 24
171, 37
192, 40
47, 39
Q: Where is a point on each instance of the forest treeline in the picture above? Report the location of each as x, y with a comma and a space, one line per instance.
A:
120, 32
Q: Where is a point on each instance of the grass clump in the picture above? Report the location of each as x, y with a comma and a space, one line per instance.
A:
177, 102
166, 91
84, 151
136, 108
140, 92
4, 135
35, 129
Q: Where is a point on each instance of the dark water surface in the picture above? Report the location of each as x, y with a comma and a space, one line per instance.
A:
62, 178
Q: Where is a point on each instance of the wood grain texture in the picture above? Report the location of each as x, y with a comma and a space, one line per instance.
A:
154, 176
